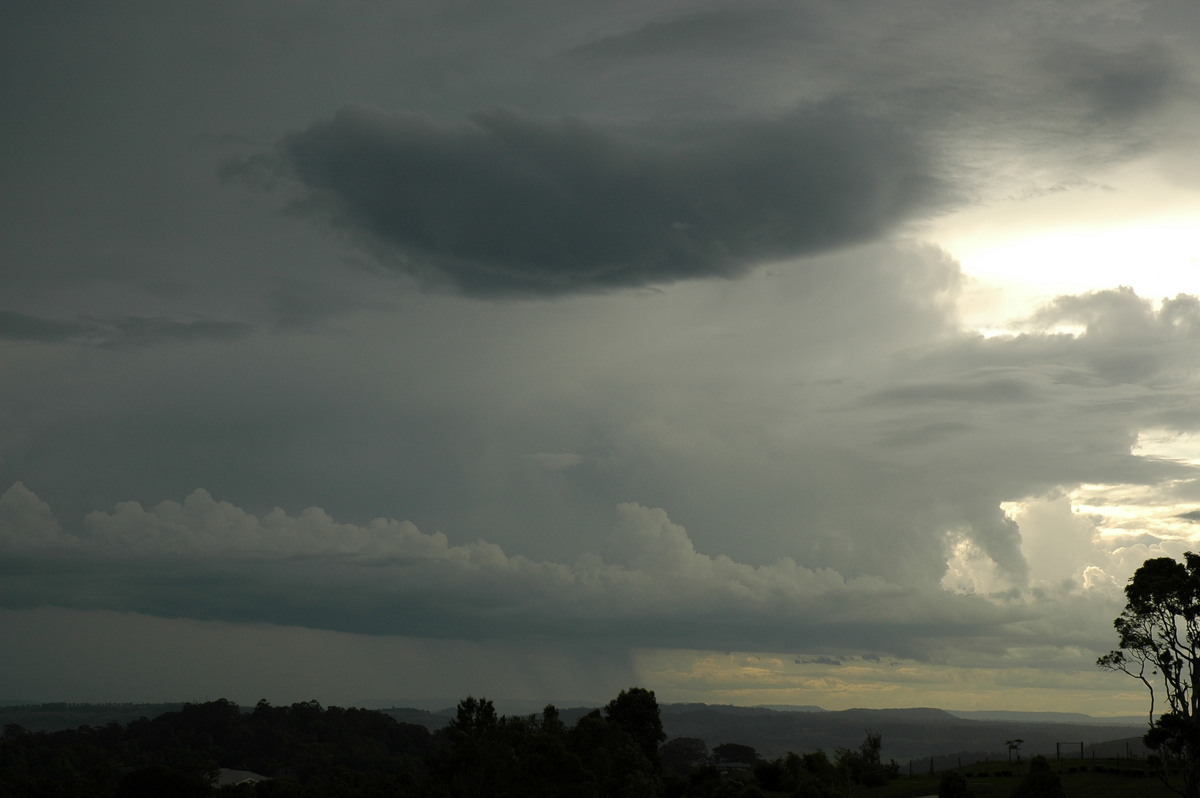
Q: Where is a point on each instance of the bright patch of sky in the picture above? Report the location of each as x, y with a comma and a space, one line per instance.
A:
1137, 229
1013, 680
1167, 512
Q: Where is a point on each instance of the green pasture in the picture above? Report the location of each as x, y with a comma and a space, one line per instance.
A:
1081, 778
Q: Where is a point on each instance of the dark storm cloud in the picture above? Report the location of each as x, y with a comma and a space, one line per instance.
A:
1116, 85
512, 204
126, 331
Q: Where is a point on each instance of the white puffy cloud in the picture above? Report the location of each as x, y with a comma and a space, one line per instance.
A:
212, 561
203, 526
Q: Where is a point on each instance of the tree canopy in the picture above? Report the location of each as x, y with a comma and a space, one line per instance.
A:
309, 751
1159, 645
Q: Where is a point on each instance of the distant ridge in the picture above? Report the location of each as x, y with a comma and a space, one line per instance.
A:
916, 733
447, 706
909, 715
59, 715
912, 734
1047, 717
722, 709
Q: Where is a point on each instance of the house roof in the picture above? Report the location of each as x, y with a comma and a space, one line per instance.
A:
228, 776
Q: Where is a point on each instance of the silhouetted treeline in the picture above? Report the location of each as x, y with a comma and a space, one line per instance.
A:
308, 751
58, 715
308, 748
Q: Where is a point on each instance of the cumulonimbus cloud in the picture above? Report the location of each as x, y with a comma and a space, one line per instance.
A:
507, 203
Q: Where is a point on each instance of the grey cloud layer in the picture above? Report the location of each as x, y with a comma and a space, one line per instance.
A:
513, 204
842, 494
211, 560
117, 332
832, 410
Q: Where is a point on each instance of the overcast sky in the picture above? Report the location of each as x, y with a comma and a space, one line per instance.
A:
752, 352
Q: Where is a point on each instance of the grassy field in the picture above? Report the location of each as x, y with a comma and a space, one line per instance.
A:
1080, 779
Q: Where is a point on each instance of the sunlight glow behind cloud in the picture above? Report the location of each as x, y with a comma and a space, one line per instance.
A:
1071, 239
1156, 257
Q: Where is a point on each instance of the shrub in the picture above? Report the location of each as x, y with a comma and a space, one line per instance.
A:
953, 785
